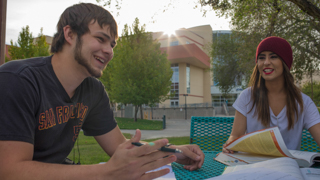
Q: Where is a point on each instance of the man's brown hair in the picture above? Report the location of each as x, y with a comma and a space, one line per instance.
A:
78, 18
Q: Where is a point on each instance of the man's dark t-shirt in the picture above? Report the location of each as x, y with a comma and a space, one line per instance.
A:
35, 108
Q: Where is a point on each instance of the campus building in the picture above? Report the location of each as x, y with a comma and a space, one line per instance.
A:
190, 62
188, 53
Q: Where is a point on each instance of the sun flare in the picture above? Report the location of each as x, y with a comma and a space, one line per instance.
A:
169, 32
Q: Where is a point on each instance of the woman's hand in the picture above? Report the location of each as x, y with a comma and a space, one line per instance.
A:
225, 150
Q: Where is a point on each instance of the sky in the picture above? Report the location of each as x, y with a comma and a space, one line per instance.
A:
45, 14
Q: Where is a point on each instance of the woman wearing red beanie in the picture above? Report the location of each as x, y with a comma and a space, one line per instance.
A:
273, 99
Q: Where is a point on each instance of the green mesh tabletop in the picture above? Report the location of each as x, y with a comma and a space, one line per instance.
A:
308, 143
210, 168
210, 133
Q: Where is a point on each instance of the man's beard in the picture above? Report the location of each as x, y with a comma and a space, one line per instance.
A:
82, 61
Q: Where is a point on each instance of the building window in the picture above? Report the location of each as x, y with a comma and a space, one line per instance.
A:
174, 43
174, 101
188, 78
229, 99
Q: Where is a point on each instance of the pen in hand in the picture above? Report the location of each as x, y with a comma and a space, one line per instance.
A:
164, 148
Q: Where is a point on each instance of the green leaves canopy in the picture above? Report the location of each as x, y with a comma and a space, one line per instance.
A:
139, 72
27, 47
312, 92
295, 20
225, 62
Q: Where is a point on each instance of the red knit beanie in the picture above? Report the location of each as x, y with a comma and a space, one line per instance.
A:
276, 45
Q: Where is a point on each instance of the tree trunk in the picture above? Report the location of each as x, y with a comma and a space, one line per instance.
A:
141, 115
311, 85
135, 113
274, 18
308, 7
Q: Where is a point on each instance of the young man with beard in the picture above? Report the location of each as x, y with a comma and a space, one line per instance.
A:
45, 101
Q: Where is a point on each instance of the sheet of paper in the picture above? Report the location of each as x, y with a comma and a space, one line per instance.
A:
229, 159
255, 174
310, 173
169, 176
279, 166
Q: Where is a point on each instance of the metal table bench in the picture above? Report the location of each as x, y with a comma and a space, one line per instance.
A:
210, 168
210, 133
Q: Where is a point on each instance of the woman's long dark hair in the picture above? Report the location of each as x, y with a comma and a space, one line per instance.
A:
259, 94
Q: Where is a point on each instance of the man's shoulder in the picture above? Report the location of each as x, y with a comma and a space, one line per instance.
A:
19, 66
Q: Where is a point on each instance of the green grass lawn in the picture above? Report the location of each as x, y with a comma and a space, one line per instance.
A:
127, 123
92, 153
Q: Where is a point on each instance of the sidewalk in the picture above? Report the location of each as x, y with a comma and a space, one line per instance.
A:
174, 128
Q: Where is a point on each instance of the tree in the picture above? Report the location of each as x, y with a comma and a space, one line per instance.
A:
310, 7
27, 46
41, 45
298, 21
295, 20
139, 72
306, 88
307, 6
106, 81
225, 62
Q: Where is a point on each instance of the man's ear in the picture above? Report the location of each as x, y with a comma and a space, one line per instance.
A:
69, 35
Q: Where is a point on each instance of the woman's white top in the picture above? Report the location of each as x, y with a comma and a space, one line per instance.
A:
292, 138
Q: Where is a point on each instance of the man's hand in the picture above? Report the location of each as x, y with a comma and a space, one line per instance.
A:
192, 156
131, 162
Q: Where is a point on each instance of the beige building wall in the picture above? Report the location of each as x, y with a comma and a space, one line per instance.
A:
196, 81
166, 103
200, 76
196, 85
182, 79
182, 82
207, 83
183, 36
206, 32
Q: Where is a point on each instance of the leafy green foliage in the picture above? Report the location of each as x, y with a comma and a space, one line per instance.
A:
127, 123
225, 62
297, 21
90, 150
139, 72
25, 46
314, 92
256, 20
174, 140
92, 153
41, 46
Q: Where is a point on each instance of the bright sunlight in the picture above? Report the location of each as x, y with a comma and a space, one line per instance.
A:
169, 31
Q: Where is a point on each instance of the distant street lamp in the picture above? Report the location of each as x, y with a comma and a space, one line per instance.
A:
185, 104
